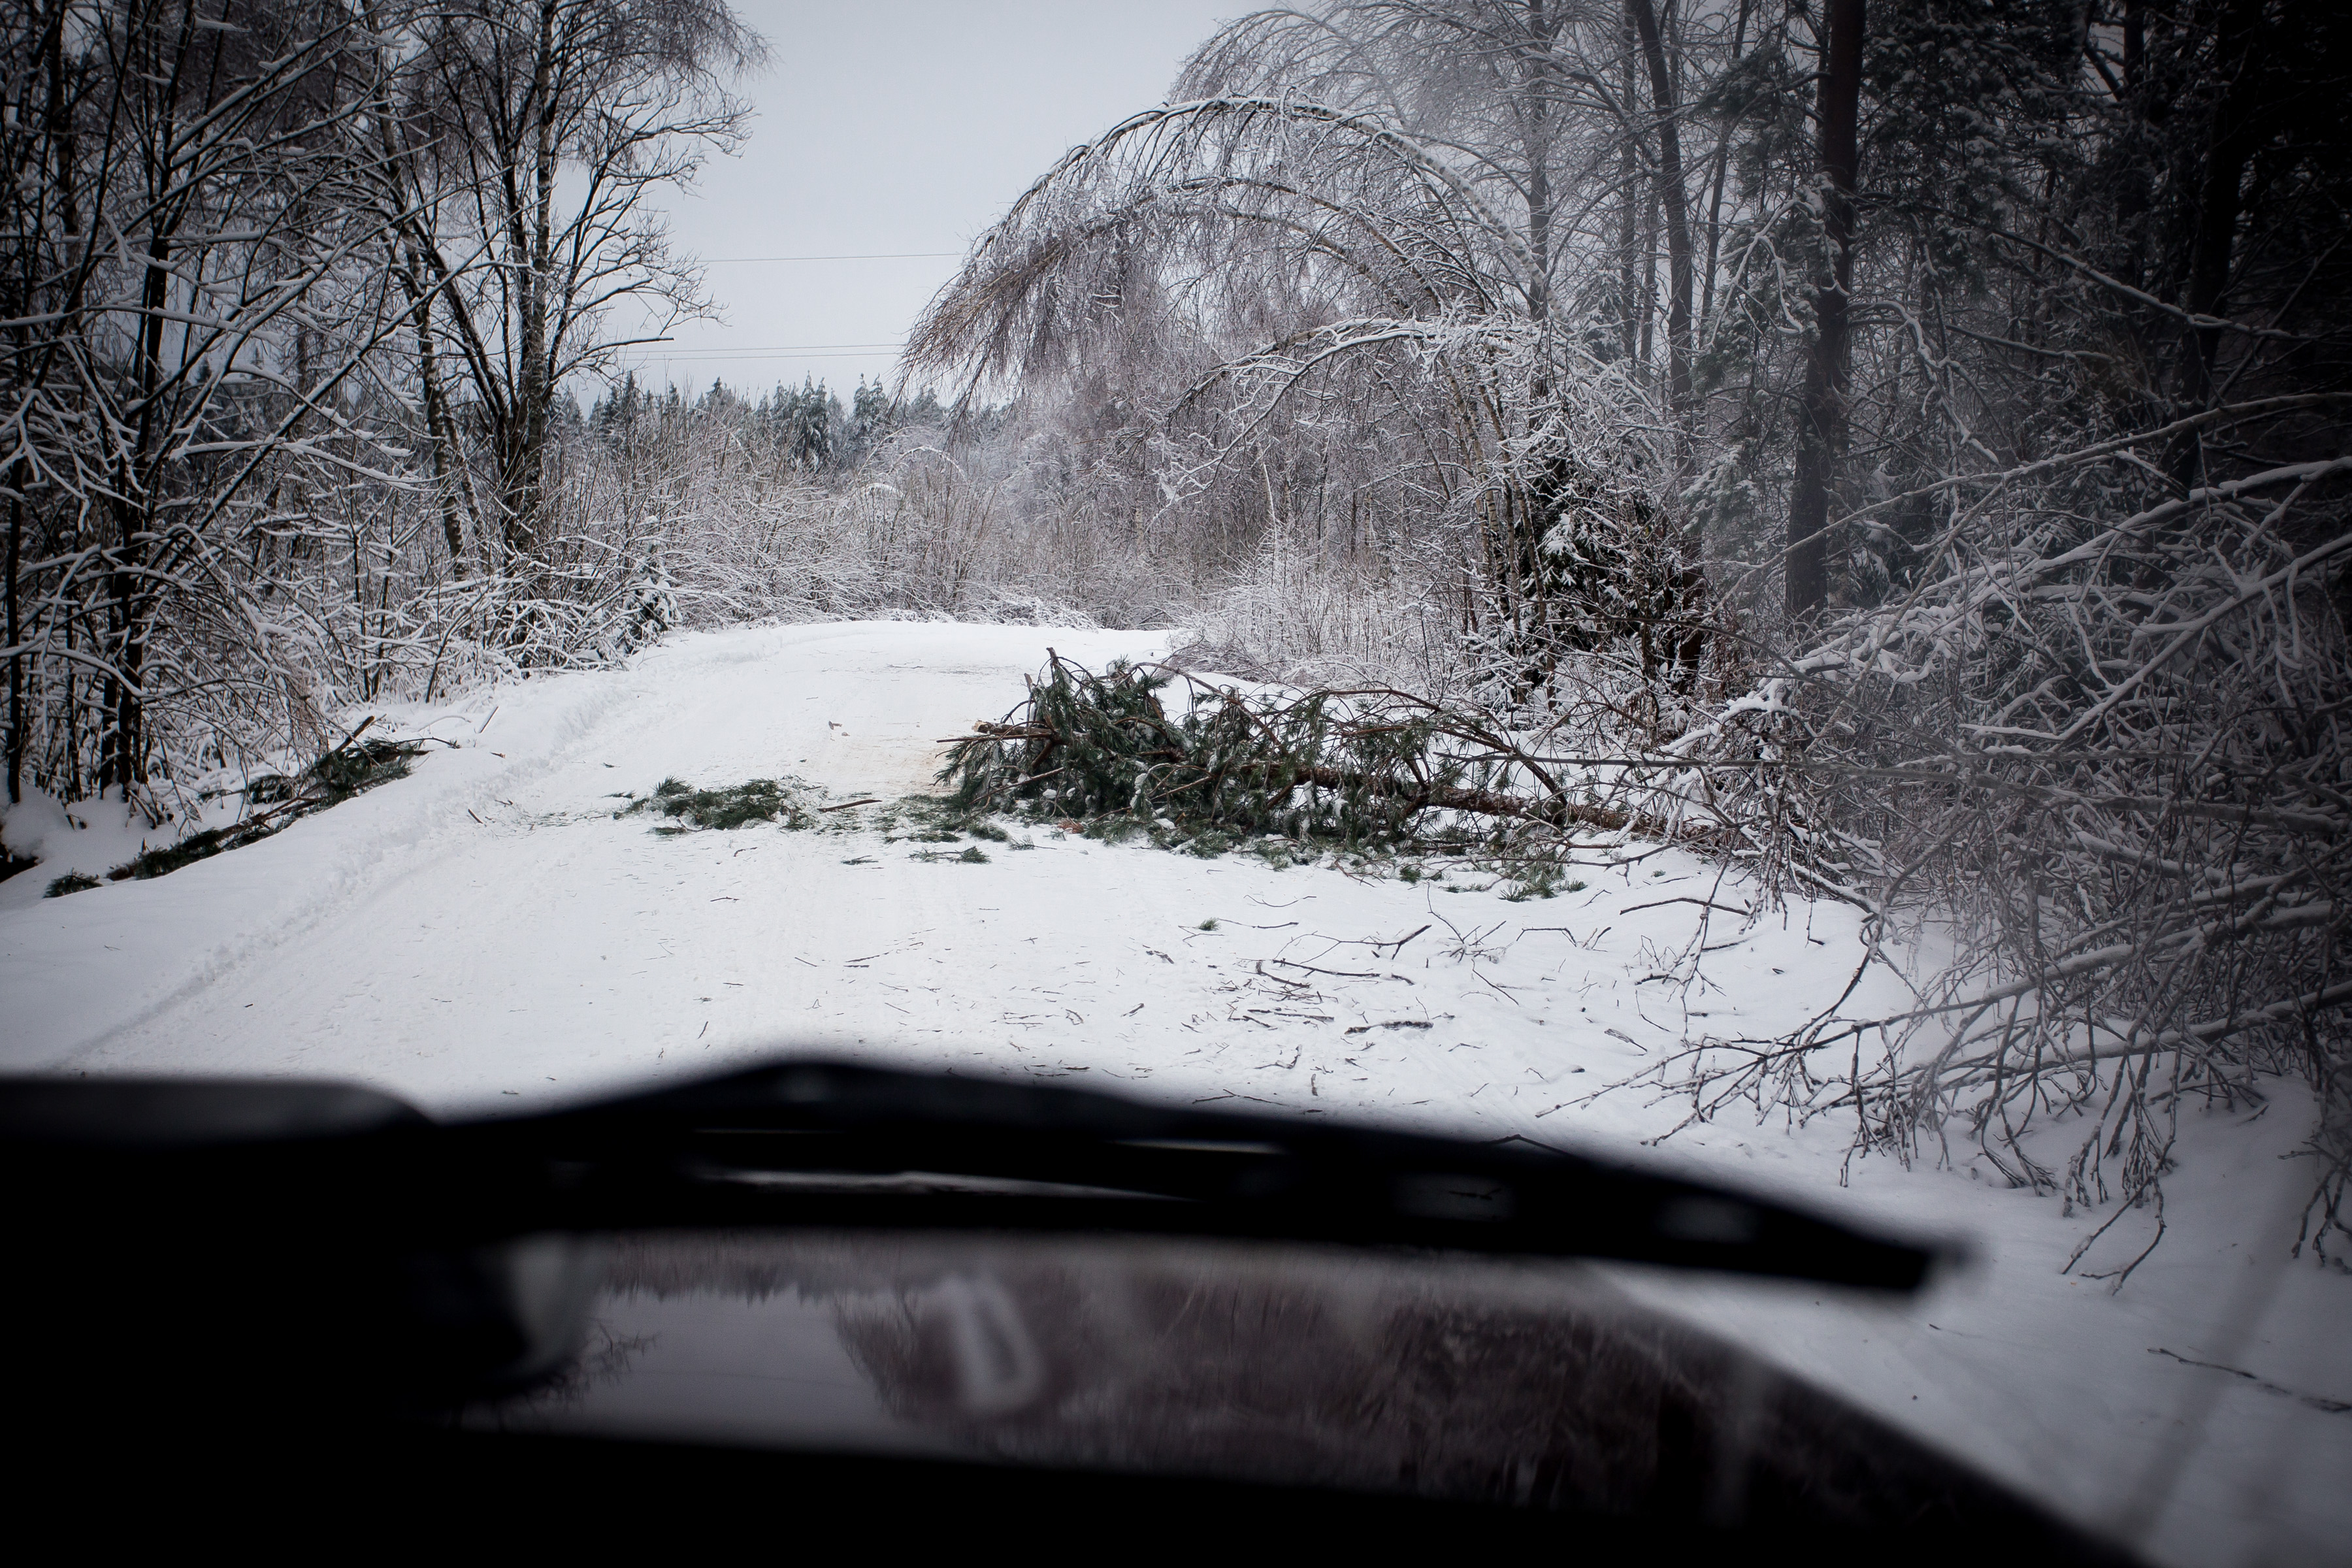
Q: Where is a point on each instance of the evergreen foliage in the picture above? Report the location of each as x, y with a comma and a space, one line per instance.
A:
685, 808
1330, 765
653, 602
170, 857
869, 422
802, 431
354, 766
341, 772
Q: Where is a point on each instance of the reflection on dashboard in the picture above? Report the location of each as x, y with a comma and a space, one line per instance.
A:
1440, 1376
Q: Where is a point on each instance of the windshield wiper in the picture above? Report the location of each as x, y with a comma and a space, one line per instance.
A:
813, 1143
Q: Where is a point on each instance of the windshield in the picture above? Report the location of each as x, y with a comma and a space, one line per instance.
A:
1752, 593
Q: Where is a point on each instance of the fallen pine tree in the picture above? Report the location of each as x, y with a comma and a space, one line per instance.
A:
352, 766
1355, 765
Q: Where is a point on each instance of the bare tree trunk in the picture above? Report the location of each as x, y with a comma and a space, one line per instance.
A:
1649, 277
524, 479
15, 643
1629, 328
129, 748
418, 279
1821, 411
123, 757
1664, 99
1536, 510
2133, 201
1542, 29
446, 455
2236, 132
1722, 167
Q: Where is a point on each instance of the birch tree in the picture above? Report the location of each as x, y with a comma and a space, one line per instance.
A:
191, 296
533, 141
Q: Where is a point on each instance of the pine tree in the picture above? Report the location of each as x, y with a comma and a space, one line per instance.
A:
869, 422
653, 601
612, 416
809, 434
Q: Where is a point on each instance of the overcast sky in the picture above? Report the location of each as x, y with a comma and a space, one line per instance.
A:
883, 130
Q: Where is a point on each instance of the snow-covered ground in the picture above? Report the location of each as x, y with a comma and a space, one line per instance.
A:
486, 935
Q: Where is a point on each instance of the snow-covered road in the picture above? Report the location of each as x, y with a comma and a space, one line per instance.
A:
486, 935
486, 930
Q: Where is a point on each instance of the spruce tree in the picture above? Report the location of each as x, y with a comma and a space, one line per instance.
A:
869, 421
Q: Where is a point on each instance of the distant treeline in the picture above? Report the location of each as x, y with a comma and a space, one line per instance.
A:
806, 425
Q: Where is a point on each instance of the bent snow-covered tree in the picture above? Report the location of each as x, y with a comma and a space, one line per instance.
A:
1991, 363
1259, 268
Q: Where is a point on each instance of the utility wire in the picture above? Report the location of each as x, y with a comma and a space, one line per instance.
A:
880, 255
739, 358
774, 349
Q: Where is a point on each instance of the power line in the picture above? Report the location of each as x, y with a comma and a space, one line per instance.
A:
770, 349
737, 359
880, 256
657, 359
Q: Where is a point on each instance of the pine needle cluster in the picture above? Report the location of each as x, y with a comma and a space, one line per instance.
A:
686, 809
1326, 765
340, 773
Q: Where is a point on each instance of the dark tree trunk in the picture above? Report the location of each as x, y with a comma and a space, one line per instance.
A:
16, 642
1821, 411
1722, 167
1629, 294
439, 429
1677, 200
129, 746
2236, 132
527, 460
122, 756
2136, 192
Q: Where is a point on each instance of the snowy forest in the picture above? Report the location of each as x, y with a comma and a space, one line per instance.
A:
1897, 451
